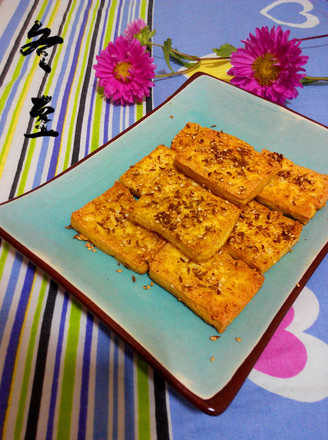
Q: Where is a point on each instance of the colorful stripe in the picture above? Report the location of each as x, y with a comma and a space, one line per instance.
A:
79, 380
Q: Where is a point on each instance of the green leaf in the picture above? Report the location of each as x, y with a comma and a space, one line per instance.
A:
178, 57
167, 46
145, 35
225, 50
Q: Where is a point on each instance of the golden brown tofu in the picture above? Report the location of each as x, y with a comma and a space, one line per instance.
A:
216, 290
262, 236
191, 218
296, 191
104, 222
156, 166
228, 166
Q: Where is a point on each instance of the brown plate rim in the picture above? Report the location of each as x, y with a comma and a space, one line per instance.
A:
222, 399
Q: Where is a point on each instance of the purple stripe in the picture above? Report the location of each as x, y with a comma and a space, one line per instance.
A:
85, 378
59, 128
13, 343
54, 388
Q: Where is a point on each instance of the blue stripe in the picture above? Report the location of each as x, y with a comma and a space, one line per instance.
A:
12, 95
117, 30
85, 378
115, 390
100, 426
8, 297
112, 108
56, 94
129, 428
93, 93
55, 375
108, 110
63, 109
15, 21
13, 344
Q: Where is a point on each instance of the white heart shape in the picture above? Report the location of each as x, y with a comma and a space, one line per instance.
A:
311, 20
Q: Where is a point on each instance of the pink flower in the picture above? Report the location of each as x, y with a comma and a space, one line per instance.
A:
269, 65
125, 70
134, 28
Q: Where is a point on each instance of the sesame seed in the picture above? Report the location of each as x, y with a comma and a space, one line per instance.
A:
214, 338
212, 359
238, 339
119, 270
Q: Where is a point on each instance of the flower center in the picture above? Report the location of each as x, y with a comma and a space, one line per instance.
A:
265, 69
121, 70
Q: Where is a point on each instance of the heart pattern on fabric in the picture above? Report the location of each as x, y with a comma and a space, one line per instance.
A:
294, 363
285, 355
310, 22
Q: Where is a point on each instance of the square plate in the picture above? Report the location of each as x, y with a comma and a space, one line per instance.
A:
170, 337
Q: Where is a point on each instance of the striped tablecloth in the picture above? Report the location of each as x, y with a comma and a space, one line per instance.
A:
63, 374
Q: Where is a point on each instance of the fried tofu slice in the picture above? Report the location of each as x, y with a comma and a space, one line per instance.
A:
296, 191
158, 166
216, 290
228, 166
262, 237
191, 218
105, 224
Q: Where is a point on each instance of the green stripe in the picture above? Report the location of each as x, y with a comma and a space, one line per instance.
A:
50, 79
95, 143
3, 257
29, 359
79, 87
143, 10
139, 111
143, 400
68, 382
142, 367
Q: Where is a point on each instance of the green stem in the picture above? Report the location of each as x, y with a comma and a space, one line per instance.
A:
184, 55
191, 57
182, 72
316, 78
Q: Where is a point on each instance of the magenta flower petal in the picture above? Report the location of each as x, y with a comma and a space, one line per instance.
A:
269, 65
134, 28
125, 70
